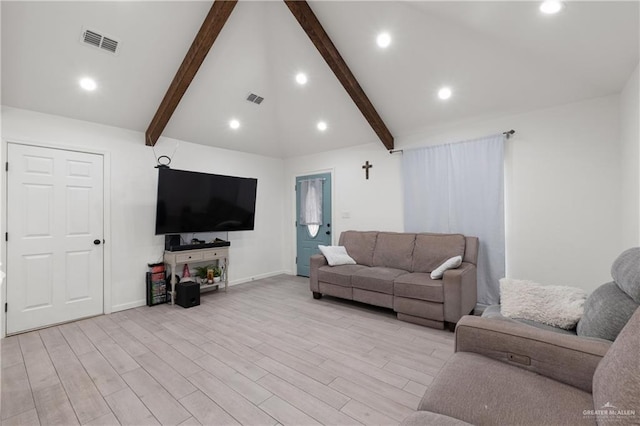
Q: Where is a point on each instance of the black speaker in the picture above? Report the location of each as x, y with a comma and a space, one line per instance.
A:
188, 294
171, 240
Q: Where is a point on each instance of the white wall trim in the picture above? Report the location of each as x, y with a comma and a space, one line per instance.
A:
128, 305
3, 243
257, 277
294, 240
107, 284
106, 193
138, 303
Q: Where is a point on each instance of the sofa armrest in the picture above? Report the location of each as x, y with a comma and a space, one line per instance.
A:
460, 291
316, 261
564, 358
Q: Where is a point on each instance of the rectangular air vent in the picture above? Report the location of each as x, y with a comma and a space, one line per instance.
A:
108, 44
95, 39
92, 38
255, 98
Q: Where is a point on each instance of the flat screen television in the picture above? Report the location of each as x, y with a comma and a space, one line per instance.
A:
202, 202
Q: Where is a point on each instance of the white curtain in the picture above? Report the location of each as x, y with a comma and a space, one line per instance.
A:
311, 202
459, 188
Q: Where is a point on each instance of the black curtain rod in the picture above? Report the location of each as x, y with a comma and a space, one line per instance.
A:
507, 134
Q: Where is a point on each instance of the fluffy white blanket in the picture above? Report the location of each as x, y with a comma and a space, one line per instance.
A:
558, 306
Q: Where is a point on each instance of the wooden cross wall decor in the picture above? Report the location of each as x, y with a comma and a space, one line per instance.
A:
366, 168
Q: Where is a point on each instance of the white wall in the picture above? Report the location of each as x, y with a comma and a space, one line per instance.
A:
563, 189
372, 204
133, 196
630, 167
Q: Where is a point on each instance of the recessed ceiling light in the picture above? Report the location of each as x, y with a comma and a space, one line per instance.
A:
383, 40
444, 93
322, 126
88, 84
551, 6
301, 78
234, 124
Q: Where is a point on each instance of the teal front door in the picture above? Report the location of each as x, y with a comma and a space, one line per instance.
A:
308, 237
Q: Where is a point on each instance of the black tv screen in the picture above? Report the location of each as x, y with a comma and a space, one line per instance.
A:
201, 202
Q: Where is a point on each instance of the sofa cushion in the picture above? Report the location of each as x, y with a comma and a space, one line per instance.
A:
626, 272
452, 263
481, 390
376, 278
606, 311
554, 305
418, 285
394, 250
359, 245
431, 250
336, 255
338, 275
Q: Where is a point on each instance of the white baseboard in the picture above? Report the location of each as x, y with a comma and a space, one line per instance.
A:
128, 305
138, 303
257, 277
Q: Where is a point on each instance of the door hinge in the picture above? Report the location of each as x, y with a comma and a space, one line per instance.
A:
6, 236
6, 166
296, 260
295, 187
296, 223
5, 307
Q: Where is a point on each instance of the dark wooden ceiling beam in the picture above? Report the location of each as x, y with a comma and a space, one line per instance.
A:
310, 24
211, 27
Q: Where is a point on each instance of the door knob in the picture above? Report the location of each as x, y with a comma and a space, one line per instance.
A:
96, 242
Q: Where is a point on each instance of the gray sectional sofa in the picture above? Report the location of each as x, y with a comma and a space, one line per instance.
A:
509, 373
607, 309
393, 271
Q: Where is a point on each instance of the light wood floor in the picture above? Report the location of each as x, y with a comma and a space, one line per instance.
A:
262, 354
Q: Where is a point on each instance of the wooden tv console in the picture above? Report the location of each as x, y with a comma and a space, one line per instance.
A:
220, 254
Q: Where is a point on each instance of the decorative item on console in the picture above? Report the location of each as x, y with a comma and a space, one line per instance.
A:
209, 273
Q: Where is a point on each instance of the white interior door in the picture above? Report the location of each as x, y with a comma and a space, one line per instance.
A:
55, 236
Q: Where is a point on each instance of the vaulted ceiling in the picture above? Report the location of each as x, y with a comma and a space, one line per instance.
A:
498, 58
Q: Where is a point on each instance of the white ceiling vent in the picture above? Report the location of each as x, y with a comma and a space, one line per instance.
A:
95, 39
255, 98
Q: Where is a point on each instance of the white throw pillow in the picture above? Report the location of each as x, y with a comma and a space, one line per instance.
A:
451, 263
558, 306
336, 255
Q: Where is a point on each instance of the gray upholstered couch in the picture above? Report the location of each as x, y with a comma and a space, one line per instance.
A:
508, 373
393, 271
